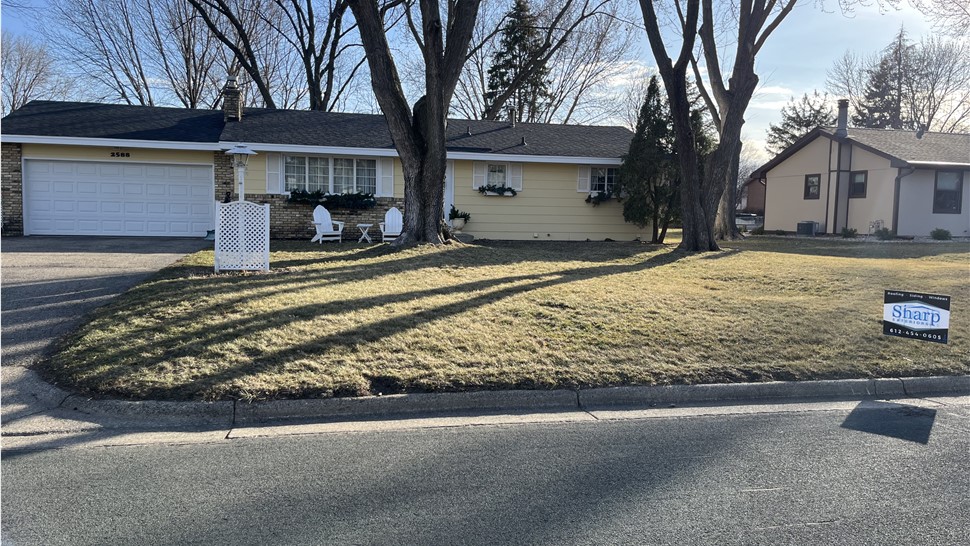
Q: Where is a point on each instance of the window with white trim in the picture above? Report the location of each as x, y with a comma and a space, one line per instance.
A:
602, 179
329, 174
498, 174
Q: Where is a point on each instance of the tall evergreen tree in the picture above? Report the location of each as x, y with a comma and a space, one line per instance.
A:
797, 119
519, 44
649, 179
883, 105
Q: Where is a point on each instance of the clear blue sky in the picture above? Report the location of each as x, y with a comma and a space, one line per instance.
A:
795, 59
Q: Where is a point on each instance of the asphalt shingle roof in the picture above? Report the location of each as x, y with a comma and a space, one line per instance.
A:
302, 127
930, 148
95, 120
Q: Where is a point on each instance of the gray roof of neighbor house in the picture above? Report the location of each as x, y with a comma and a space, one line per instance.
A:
901, 148
906, 146
96, 120
307, 128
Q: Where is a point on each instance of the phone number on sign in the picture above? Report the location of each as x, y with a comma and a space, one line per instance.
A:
909, 333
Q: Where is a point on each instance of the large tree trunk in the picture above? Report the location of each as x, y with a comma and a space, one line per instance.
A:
419, 135
697, 209
726, 227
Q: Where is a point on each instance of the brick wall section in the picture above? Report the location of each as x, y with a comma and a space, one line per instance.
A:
295, 220
224, 177
12, 188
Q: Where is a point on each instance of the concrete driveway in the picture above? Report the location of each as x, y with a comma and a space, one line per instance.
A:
47, 287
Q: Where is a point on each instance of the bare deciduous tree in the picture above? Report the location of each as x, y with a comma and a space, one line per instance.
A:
950, 16
727, 98
29, 73
183, 50
292, 51
100, 39
419, 132
147, 52
582, 69
560, 20
583, 47
934, 85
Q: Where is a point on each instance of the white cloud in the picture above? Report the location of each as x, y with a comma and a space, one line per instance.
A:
629, 73
774, 90
768, 104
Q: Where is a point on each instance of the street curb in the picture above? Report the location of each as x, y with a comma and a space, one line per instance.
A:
959, 385
737, 392
230, 414
164, 412
259, 412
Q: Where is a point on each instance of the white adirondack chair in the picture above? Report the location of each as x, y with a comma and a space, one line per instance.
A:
328, 229
392, 225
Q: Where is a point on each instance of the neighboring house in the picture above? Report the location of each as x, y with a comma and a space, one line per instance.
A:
102, 169
752, 196
910, 182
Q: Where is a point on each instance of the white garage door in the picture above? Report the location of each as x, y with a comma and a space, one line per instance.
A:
89, 198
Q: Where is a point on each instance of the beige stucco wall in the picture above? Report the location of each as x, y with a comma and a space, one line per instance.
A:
548, 208
785, 203
880, 188
103, 153
916, 216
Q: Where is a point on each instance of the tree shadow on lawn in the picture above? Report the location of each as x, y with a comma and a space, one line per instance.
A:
200, 334
482, 251
195, 283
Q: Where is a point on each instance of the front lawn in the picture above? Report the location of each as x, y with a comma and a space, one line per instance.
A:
349, 319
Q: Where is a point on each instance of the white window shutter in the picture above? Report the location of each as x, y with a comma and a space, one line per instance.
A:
515, 176
479, 173
386, 186
274, 178
582, 179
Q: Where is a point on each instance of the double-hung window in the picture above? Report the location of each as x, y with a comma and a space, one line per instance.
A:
366, 175
948, 192
498, 175
857, 183
602, 180
813, 183
329, 174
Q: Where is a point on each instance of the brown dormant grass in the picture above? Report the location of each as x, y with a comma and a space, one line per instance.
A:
350, 319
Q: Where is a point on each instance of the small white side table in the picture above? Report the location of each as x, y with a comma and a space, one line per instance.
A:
364, 236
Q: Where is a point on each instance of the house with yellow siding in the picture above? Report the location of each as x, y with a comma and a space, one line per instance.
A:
911, 182
73, 168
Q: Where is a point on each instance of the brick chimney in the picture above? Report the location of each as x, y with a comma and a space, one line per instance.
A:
842, 129
231, 100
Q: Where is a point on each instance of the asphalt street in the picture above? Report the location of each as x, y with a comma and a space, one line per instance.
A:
855, 473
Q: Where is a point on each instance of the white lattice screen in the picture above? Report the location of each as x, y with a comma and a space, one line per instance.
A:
242, 236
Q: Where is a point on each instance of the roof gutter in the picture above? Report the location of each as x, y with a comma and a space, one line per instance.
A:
112, 142
451, 155
296, 148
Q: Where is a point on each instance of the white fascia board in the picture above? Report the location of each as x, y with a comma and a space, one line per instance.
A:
306, 149
477, 156
391, 152
112, 142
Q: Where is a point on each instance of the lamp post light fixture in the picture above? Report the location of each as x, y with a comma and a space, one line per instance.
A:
240, 156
